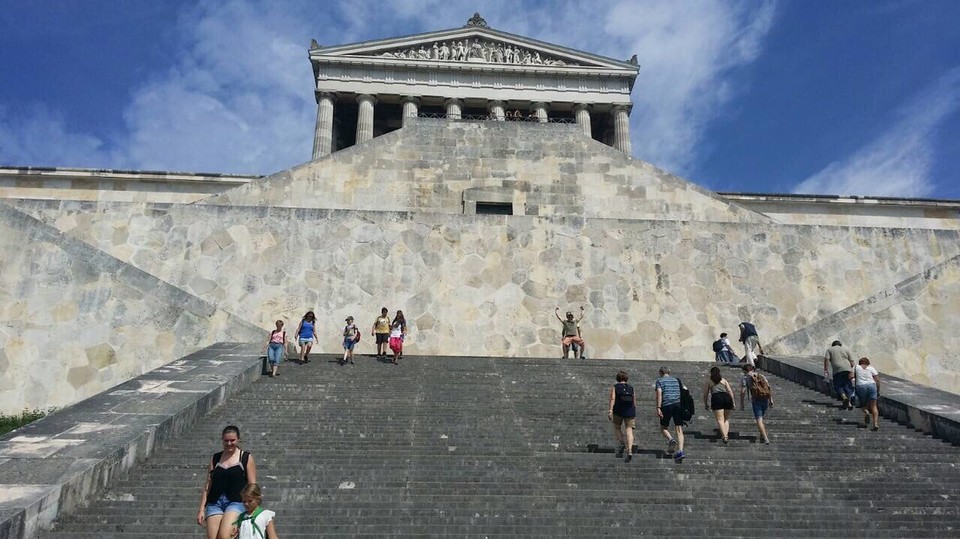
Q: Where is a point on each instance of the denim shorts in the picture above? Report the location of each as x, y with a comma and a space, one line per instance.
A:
349, 343
760, 407
221, 506
866, 393
306, 341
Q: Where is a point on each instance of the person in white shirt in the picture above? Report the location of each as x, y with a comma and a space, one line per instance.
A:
867, 381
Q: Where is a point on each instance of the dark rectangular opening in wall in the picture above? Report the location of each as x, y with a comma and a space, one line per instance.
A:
494, 208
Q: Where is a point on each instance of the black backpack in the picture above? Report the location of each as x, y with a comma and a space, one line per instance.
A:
718, 345
687, 408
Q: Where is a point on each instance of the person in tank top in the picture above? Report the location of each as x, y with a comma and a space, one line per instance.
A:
718, 396
307, 335
623, 415
274, 348
228, 472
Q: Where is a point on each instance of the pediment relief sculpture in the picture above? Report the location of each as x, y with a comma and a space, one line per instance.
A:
476, 50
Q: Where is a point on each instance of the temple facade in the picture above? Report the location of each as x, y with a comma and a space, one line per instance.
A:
364, 90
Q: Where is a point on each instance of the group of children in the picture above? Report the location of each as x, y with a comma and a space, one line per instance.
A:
387, 332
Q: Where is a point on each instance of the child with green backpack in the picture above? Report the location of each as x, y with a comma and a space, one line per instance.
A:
255, 522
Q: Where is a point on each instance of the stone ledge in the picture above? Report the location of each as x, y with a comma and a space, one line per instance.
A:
55, 465
923, 408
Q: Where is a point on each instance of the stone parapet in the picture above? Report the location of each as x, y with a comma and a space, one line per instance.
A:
923, 408
60, 462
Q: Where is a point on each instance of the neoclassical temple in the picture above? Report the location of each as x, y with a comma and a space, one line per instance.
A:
364, 90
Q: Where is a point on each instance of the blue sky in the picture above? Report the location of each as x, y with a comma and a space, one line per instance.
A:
838, 97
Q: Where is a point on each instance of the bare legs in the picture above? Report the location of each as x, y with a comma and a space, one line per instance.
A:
870, 411
305, 352
221, 526
624, 438
723, 422
762, 429
666, 434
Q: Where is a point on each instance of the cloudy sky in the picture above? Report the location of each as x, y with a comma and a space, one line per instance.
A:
839, 97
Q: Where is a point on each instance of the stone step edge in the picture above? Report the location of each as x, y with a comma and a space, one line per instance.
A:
920, 407
53, 466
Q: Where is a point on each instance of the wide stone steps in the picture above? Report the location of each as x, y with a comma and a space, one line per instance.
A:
521, 447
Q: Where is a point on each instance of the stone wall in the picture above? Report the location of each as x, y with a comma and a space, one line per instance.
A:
488, 285
906, 330
75, 321
437, 165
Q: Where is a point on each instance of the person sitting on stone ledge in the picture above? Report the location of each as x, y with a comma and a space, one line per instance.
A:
571, 334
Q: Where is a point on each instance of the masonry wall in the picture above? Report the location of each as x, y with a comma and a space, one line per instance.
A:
907, 330
74, 321
488, 285
439, 165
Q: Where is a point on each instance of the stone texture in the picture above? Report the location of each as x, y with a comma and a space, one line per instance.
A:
75, 321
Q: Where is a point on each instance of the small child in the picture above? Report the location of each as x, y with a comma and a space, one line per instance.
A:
350, 337
255, 522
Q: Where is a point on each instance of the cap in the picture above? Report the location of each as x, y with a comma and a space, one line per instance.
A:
347, 319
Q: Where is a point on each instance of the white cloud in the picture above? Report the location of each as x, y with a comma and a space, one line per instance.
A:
38, 137
240, 97
898, 163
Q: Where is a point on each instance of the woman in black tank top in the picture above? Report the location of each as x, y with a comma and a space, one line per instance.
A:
227, 473
623, 413
718, 396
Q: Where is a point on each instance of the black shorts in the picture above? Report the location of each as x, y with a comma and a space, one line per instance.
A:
383, 338
721, 401
669, 412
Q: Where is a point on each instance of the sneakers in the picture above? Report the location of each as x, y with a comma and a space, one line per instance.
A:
875, 428
671, 446
866, 419
766, 441
628, 458
620, 451
678, 456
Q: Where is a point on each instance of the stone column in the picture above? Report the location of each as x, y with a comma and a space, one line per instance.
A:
365, 117
581, 112
539, 110
323, 135
454, 109
496, 110
621, 129
411, 108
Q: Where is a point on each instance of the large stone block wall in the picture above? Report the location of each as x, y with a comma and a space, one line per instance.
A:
435, 165
75, 321
907, 330
488, 285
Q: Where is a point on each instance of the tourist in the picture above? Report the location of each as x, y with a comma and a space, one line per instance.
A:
398, 331
274, 348
623, 414
381, 331
255, 522
306, 335
720, 401
571, 333
668, 408
723, 350
868, 391
840, 360
751, 343
761, 397
351, 335
227, 473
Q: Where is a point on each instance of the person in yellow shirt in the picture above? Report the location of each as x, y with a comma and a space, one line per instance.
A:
381, 330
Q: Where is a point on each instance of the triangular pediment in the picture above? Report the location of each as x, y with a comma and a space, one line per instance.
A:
471, 45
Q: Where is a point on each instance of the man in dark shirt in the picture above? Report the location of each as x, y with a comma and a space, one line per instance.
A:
571, 333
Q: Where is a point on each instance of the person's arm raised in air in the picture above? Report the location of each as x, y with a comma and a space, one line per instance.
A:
556, 312
581, 314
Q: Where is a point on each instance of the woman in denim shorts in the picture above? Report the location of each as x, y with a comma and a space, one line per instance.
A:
868, 390
227, 473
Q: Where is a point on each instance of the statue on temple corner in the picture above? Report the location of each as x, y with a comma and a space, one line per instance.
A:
314, 45
633, 59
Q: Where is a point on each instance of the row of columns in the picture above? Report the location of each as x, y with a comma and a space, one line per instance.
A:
323, 136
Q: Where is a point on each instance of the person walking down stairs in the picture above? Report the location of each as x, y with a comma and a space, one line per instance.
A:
306, 335
761, 397
381, 332
255, 522
275, 347
623, 414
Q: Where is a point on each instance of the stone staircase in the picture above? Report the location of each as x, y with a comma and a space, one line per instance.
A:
521, 447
